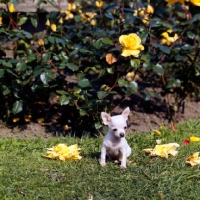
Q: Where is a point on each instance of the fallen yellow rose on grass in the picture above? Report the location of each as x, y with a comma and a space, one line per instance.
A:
194, 159
64, 152
194, 139
131, 45
163, 150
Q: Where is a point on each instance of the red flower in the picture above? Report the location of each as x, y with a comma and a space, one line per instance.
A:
186, 141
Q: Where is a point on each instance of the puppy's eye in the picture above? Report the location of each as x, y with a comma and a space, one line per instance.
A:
125, 127
114, 129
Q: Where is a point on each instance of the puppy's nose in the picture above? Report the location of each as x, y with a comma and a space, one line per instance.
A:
121, 134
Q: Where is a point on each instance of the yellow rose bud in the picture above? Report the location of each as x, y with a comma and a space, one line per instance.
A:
145, 20
1, 21
47, 23
141, 12
66, 127
129, 76
15, 119
27, 118
41, 42
11, 8
71, 6
149, 9
93, 22
60, 21
53, 27
99, 3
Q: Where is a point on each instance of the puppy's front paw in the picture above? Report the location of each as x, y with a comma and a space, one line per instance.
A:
103, 164
123, 166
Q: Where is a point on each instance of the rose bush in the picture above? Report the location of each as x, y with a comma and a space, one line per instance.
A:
61, 69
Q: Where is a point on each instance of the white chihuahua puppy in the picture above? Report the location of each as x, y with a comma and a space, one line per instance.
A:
115, 145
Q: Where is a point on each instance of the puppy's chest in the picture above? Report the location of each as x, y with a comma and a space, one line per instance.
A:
113, 145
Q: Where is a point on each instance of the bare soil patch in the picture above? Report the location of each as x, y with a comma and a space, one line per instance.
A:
145, 116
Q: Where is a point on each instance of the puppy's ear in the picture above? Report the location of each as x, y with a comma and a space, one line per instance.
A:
105, 117
126, 113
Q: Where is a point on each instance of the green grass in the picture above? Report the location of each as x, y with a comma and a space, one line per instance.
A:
26, 174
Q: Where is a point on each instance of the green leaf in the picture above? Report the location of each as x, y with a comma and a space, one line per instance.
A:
1, 73
164, 49
122, 82
84, 83
146, 95
22, 20
34, 22
101, 94
46, 57
97, 44
6, 90
51, 39
190, 34
110, 70
77, 18
64, 100
17, 107
82, 112
107, 40
7, 64
44, 77
21, 66
135, 63
132, 87
72, 66
61, 92
27, 34
158, 69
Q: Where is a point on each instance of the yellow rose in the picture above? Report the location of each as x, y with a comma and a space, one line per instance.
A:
194, 159
132, 45
69, 15
64, 152
11, 8
163, 150
99, 3
167, 39
170, 2
195, 2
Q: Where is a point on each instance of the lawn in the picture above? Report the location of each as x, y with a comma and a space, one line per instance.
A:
26, 174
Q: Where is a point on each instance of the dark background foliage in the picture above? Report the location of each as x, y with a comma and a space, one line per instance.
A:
66, 82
